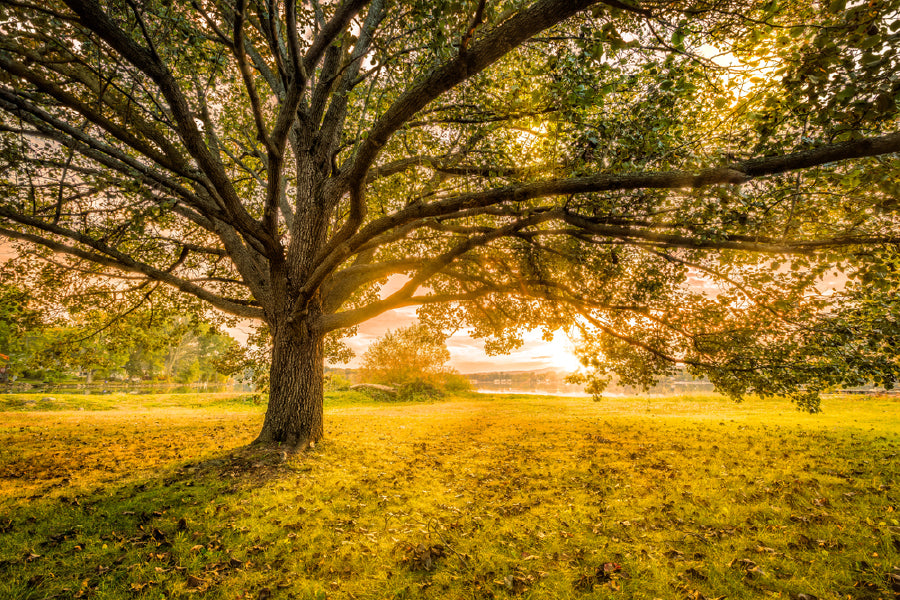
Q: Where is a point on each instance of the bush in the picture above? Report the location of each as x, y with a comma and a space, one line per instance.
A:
419, 389
376, 391
335, 382
412, 360
455, 383
405, 355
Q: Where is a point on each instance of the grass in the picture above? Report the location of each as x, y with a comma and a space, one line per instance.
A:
124, 496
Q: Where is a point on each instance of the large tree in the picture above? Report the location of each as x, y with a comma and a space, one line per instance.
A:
521, 162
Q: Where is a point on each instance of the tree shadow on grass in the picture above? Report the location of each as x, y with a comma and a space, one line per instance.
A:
176, 533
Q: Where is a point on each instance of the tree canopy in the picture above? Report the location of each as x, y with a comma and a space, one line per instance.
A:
546, 163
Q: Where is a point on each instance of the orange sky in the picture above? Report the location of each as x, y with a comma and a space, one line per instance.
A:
467, 354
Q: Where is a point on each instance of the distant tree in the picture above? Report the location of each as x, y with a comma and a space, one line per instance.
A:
191, 350
413, 359
20, 323
71, 335
250, 362
80, 348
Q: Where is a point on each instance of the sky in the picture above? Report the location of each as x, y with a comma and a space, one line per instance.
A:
467, 354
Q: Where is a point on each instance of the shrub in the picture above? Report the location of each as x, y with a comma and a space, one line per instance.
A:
455, 383
419, 390
335, 382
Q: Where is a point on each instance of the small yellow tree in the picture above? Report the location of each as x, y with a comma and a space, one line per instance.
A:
412, 359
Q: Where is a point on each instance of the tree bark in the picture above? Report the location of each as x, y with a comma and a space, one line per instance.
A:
296, 389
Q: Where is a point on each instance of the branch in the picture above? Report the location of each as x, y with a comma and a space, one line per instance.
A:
237, 47
117, 317
740, 172
482, 118
490, 48
94, 19
116, 260
118, 132
41, 9
735, 173
494, 45
750, 294
639, 344
763, 245
336, 115
330, 31
477, 19
69, 136
353, 317
347, 281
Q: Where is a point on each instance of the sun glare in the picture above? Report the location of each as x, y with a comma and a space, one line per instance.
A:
564, 358
559, 353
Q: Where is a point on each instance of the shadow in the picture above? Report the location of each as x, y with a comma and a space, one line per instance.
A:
165, 535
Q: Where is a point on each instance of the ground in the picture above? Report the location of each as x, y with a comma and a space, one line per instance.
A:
481, 497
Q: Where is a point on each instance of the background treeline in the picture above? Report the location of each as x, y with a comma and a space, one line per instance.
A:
49, 341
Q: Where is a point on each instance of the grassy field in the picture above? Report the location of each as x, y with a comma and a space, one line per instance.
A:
125, 496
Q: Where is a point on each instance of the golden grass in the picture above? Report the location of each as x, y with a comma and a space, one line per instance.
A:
484, 497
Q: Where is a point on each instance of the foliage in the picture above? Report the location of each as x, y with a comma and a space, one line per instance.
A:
795, 344
335, 382
18, 320
414, 360
552, 164
860, 340
672, 497
62, 337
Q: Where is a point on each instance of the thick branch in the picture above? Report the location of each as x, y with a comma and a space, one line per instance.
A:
469, 62
481, 54
434, 266
116, 260
733, 174
93, 18
348, 280
763, 245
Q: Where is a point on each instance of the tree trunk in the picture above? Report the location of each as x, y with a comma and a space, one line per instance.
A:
296, 389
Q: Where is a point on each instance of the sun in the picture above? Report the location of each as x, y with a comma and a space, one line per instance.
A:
563, 353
